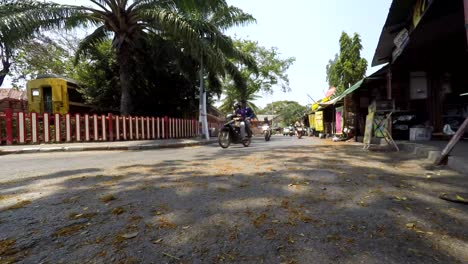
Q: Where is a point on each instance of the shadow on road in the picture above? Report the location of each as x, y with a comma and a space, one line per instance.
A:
300, 204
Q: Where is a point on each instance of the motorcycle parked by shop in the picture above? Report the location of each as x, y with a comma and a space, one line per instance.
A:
231, 132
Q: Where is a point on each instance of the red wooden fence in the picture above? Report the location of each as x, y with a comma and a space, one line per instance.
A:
33, 128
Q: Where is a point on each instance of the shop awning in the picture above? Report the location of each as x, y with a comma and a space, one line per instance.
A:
349, 90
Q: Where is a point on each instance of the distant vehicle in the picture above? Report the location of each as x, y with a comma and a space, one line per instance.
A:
288, 131
266, 129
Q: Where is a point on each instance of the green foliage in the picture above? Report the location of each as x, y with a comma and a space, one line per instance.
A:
288, 111
271, 67
45, 54
131, 23
347, 68
98, 73
271, 72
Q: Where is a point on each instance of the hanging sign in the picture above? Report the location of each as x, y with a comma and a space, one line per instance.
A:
319, 121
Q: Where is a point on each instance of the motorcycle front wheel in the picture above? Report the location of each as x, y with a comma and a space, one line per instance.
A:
267, 136
224, 139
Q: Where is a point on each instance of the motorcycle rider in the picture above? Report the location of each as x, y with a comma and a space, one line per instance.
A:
297, 125
247, 114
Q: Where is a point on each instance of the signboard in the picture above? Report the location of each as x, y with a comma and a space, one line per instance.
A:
419, 9
319, 121
401, 38
312, 121
369, 128
339, 120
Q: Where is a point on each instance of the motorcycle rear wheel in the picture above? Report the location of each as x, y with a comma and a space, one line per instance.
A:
224, 139
246, 142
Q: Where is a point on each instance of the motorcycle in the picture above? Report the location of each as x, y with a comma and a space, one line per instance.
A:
266, 132
299, 132
231, 132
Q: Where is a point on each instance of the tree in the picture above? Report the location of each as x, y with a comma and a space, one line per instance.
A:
51, 54
271, 72
127, 22
347, 68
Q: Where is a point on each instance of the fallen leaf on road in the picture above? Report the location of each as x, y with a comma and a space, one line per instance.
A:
107, 198
130, 235
459, 198
410, 225
260, 220
399, 199
157, 241
118, 211
164, 223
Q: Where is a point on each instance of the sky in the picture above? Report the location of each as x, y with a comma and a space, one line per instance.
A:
308, 30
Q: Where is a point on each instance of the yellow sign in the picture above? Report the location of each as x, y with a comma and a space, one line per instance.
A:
319, 121
312, 121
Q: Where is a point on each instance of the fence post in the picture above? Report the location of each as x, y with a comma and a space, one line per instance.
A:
86, 122
165, 127
148, 133
117, 127
103, 128
20, 127
157, 129
46, 122
78, 127
137, 129
169, 125
95, 127
131, 127
124, 126
67, 128
142, 128
58, 132
34, 128
153, 132
110, 127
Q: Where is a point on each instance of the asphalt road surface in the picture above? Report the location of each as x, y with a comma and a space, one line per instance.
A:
283, 201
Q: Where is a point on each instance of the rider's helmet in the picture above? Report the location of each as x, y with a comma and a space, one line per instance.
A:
237, 105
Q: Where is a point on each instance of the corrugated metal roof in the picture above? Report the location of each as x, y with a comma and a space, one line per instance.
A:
12, 95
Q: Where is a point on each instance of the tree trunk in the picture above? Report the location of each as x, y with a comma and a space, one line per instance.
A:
5, 70
125, 71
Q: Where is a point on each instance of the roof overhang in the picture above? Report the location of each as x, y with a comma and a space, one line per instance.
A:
399, 17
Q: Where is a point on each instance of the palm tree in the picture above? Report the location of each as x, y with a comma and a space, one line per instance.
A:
234, 94
127, 22
219, 49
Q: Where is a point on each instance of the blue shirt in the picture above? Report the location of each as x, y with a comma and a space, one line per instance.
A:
245, 112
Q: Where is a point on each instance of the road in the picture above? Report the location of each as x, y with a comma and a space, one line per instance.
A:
284, 201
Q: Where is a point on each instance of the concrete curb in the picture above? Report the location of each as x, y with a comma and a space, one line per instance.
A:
110, 147
432, 154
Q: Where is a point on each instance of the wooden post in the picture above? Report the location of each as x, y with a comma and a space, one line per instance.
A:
452, 143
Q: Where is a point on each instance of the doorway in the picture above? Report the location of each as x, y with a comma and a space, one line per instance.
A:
47, 99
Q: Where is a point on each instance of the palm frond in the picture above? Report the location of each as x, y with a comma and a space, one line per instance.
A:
89, 42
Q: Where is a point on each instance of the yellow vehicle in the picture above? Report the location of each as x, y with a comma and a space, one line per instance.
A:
55, 95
